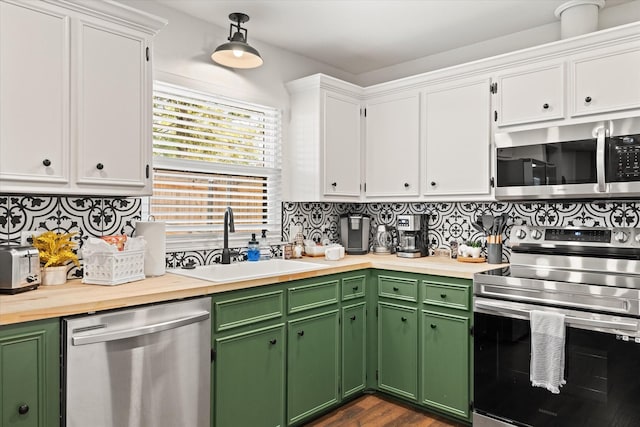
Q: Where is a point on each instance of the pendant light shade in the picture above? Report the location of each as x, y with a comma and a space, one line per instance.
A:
237, 53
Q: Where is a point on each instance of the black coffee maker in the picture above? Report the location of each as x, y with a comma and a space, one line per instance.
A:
413, 241
354, 233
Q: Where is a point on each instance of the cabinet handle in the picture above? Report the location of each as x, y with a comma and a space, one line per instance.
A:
433, 183
396, 289
406, 185
587, 99
545, 106
353, 317
99, 166
23, 409
355, 288
273, 341
300, 333
46, 162
432, 326
443, 296
334, 184
404, 319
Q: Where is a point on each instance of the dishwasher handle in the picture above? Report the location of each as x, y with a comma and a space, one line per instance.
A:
142, 330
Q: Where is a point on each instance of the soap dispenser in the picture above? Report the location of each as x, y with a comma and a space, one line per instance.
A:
253, 249
265, 248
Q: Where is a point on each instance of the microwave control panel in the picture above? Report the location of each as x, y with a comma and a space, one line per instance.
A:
625, 161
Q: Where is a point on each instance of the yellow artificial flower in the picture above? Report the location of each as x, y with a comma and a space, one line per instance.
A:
56, 249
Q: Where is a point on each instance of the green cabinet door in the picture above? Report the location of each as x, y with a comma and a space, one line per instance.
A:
30, 374
313, 354
398, 350
445, 362
249, 379
354, 347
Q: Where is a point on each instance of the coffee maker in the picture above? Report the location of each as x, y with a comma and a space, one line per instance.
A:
354, 233
412, 236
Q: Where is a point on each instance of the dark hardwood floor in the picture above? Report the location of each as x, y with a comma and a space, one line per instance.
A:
378, 411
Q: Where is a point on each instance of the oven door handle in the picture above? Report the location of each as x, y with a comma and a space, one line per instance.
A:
569, 320
600, 159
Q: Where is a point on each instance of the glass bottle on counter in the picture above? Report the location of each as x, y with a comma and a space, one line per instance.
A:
253, 249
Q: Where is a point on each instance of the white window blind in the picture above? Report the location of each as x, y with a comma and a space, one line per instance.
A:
210, 153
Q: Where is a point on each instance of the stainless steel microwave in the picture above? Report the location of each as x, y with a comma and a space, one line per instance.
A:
589, 160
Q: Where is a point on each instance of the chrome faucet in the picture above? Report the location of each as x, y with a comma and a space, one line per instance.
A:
228, 227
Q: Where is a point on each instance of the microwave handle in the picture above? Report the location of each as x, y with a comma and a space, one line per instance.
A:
600, 164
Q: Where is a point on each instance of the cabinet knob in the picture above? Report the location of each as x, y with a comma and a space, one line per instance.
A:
395, 288
406, 185
433, 183
273, 341
99, 166
353, 317
300, 333
545, 106
443, 296
355, 288
587, 99
23, 409
334, 184
46, 162
432, 326
404, 319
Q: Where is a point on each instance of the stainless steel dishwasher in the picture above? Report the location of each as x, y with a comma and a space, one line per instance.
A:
141, 367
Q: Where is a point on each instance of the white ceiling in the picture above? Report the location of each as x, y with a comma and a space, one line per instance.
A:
359, 36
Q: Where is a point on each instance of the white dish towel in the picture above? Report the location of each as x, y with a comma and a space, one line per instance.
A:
547, 350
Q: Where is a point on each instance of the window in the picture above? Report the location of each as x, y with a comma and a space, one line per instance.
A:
210, 153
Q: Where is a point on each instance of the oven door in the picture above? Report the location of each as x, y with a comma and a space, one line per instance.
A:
602, 370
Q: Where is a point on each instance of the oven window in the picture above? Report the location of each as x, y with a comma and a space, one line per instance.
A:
558, 163
602, 373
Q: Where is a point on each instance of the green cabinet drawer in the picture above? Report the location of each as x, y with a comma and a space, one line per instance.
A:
237, 312
446, 295
314, 295
398, 288
353, 287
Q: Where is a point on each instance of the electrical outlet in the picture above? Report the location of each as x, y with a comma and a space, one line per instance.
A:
26, 236
293, 230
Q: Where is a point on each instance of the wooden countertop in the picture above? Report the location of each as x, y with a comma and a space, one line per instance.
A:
75, 297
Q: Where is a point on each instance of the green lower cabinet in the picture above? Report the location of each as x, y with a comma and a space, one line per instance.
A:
250, 378
30, 374
354, 349
398, 350
313, 353
445, 362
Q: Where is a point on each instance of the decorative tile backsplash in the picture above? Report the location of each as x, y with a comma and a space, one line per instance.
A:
96, 216
452, 221
85, 216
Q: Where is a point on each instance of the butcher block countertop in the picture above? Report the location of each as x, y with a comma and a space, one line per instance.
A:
74, 297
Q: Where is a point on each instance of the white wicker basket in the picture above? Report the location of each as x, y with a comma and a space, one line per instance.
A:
113, 268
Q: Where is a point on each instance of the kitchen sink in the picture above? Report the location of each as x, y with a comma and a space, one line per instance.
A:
247, 270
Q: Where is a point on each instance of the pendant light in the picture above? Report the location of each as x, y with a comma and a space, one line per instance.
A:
237, 53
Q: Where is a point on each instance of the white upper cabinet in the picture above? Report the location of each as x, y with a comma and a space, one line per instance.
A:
113, 107
342, 141
529, 94
76, 97
393, 146
606, 80
458, 138
34, 96
324, 148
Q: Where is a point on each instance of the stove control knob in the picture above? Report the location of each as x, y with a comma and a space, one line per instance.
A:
638, 238
536, 234
521, 234
621, 237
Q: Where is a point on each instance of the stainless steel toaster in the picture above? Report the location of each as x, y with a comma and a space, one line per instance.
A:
19, 269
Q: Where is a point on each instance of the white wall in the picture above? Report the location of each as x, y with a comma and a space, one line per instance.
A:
609, 17
182, 50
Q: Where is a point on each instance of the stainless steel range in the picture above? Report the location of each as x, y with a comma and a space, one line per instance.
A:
592, 276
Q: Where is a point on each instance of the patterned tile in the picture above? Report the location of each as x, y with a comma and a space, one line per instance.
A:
91, 216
